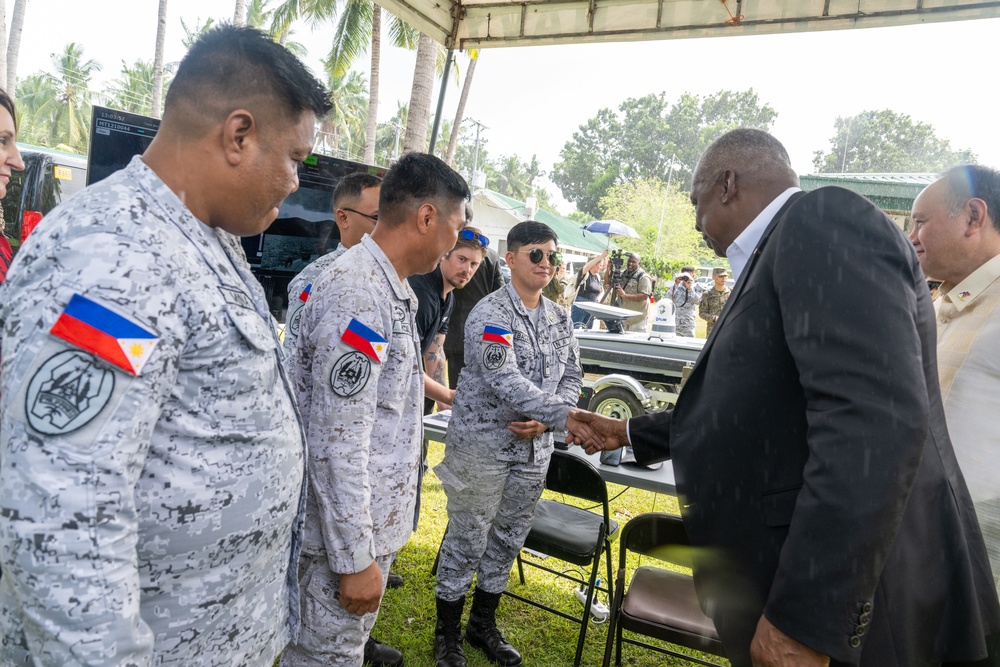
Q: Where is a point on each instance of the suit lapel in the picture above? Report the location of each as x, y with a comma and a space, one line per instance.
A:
745, 276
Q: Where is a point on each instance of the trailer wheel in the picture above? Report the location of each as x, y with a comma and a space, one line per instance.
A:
616, 402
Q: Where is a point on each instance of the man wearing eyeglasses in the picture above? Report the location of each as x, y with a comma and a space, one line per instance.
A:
522, 377
355, 210
435, 292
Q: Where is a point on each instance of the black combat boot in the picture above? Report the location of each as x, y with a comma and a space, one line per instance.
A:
378, 654
482, 632
448, 633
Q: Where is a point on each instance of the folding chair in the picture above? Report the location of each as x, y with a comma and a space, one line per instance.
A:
572, 534
659, 603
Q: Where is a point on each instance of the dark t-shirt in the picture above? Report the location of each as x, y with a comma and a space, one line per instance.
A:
589, 287
433, 312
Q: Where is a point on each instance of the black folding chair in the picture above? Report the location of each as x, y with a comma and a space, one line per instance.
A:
572, 534
659, 603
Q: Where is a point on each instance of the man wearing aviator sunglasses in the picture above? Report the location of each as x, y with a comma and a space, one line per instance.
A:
521, 379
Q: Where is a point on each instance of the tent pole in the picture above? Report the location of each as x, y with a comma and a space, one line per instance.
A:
440, 106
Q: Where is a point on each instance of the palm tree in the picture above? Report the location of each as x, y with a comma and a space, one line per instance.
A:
460, 112
161, 33
511, 178
388, 139
240, 13
3, 44
315, 12
56, 108
349, 96
133, 90
420, 95
14, 43
360, 25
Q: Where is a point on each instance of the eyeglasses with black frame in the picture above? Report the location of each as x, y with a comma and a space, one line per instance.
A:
535, 255
373, 218
470, 235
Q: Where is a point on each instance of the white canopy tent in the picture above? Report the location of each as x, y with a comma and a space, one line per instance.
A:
464, 24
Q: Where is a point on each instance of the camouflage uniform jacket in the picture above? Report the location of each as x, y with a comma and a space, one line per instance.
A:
514, 372
151, 459
685, 299
359, 382
712, 302
299, 289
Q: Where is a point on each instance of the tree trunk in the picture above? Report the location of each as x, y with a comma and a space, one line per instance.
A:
3, 47
240, 13
460, 113
161, 30
420, 96
372, 125
14, 43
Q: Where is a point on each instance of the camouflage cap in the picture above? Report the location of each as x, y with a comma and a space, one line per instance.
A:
720, 271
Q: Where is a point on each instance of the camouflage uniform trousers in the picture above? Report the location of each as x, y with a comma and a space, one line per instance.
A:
331, 636
685, 321
490, 507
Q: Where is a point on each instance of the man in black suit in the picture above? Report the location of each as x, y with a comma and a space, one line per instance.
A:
809, 445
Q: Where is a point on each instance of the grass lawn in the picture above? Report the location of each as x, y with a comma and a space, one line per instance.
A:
407, 617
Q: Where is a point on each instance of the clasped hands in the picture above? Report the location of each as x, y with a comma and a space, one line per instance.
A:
594, 432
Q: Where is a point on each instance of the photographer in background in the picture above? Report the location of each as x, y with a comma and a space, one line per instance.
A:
685, 297
589, 287
633, 292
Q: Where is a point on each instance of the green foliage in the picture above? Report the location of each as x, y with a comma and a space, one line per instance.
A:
54, 109
342, 131
645, 137
664, 219
133, 90
885, 142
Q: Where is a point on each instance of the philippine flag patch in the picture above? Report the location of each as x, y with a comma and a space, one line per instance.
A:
500, 335
305, 293
92, 327
365, 340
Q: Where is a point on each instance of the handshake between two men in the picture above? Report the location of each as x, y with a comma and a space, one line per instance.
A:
595, 432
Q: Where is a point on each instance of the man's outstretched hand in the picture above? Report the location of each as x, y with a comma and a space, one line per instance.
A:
594, 432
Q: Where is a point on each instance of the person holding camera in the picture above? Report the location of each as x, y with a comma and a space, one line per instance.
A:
685, 298
589, 287
633, 292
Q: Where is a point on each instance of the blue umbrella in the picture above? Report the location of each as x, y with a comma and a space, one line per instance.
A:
611, 228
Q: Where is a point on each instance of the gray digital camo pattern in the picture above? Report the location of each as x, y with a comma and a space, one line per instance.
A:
685, 302
362, 417
493, 478
712, 302
305, 278
330, 636
154, 525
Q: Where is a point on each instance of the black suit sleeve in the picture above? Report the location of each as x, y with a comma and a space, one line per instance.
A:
649, 436
846, 281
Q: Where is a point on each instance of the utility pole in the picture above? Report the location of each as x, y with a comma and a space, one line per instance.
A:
395, 150
475, 156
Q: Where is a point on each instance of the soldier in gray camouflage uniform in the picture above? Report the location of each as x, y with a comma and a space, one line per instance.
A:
151, 459
521, 378
359, 383
714, 299
686, 297
355, 210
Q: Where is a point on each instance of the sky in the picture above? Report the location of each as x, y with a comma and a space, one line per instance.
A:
532, 99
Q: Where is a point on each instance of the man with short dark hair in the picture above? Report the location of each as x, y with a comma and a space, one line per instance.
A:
359, 386
436, 294
685, 295
522, 377
829, 519
152, 467
355, 211
956, 233
634, 292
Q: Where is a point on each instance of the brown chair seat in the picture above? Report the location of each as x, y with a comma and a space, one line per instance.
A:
666, 598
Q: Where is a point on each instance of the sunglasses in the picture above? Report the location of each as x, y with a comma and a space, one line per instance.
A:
536, 255
373, 218
470, 235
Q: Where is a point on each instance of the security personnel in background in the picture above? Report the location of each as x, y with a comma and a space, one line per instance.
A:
359, 386
521, 378
151, 475
713, 300
634, 292
355, 210
685, 296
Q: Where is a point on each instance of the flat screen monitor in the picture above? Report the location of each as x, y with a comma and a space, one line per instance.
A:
115, 137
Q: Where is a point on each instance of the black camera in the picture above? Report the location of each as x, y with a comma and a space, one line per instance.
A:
617, 261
